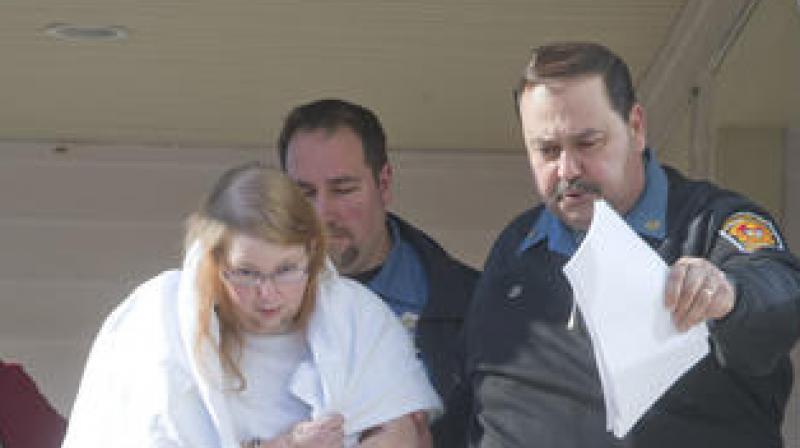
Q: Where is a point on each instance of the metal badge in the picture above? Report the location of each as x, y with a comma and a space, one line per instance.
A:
514, 292
652, 225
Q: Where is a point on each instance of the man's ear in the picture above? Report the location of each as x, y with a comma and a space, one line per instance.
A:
637, 126
385, 184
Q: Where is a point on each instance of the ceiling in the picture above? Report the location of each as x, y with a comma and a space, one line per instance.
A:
224, 74
208, 72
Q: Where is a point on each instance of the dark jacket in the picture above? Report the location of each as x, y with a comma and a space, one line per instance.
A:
531, 379
26, 418
450, 287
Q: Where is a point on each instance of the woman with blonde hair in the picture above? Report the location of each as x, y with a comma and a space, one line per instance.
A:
256, 342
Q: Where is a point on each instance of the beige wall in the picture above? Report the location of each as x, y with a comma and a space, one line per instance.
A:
750, 161
791, 190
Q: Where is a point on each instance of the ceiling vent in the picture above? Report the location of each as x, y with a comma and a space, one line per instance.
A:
65, 31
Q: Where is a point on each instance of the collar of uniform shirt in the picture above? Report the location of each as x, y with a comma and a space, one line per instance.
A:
401, 281
647, 217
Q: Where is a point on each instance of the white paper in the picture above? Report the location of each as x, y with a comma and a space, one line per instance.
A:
618, 283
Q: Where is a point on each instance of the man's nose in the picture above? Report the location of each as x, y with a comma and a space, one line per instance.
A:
569, 165
325, 205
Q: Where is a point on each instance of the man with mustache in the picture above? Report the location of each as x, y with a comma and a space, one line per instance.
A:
336, 152
530, 374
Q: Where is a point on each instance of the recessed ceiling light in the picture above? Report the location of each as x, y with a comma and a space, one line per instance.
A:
66, 31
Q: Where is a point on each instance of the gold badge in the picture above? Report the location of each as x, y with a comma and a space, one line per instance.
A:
652, 225
750, 232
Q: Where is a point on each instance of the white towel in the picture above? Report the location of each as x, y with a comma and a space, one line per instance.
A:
144, 385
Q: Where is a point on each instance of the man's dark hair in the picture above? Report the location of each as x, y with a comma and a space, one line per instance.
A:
330, 115
568, 59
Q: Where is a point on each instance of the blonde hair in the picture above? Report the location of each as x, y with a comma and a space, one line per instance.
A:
261, 202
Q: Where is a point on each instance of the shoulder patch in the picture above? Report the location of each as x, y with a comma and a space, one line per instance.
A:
750, 232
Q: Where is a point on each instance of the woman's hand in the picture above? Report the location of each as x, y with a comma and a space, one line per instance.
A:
326, 432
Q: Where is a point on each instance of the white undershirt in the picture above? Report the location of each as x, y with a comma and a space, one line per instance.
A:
266, 409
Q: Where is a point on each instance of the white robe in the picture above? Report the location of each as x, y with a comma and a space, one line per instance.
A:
144, 384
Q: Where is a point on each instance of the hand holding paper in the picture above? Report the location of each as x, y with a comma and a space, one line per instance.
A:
696, 291
619, 286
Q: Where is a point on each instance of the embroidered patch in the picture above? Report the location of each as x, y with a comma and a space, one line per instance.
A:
750, 232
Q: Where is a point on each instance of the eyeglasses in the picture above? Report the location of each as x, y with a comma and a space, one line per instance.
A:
249, 278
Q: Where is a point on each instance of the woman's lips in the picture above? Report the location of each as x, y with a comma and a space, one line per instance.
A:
268, 312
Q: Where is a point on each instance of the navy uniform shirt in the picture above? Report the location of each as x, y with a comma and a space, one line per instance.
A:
401, 281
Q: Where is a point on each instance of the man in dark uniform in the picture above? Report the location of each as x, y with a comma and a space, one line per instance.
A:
336, 152
530, 375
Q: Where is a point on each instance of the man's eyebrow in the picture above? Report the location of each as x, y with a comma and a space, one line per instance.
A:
339, 180
580, 135
587, 133
540, 141
304, 185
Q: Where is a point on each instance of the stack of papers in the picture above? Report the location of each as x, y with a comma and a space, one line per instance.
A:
618, 283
